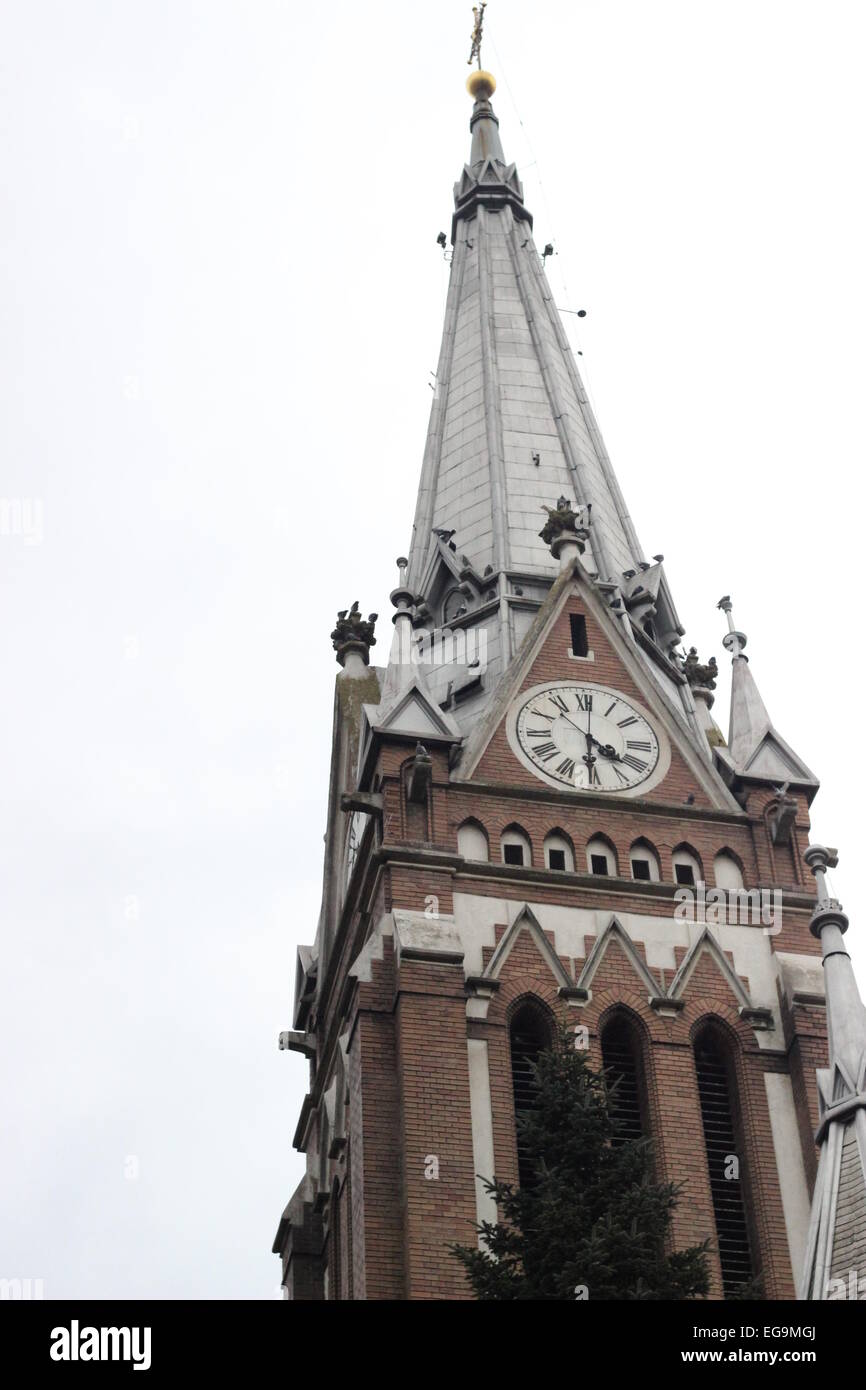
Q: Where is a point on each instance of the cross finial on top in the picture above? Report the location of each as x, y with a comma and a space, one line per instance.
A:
477, 33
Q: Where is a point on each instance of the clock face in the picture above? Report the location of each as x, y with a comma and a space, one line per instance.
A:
587, 738
357, 826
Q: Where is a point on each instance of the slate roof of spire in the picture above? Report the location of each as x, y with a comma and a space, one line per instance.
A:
508, 388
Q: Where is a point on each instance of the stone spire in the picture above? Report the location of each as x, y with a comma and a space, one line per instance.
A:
749, 718
836, 1248
511, 426
755, 749
401, 669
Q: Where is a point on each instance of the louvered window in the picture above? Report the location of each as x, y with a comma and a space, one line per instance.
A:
729, 1208
529, 1036
620, 1057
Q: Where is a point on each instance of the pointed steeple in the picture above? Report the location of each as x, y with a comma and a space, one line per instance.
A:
511, 430
755, 749
511, 426
836, 1247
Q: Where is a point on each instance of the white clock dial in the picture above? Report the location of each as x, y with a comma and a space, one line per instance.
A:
587, 737
357, 826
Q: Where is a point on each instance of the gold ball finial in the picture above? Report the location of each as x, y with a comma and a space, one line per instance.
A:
481, 85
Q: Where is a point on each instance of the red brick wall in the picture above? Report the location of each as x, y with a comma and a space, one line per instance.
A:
407, 1065
498, 763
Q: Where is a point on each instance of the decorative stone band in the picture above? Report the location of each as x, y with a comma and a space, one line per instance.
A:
345, 649
828, 914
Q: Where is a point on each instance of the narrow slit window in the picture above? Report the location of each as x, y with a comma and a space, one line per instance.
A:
598, 864
528, 1037
579, 643
556, 858
619, 1055
718, 1108
512, 854
640, 869
685, 874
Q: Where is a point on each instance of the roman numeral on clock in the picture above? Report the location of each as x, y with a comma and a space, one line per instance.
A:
541, 733
559, 702
631, 761
545, 751
623, 779
638, 743
584, 702
566, 767
624, 723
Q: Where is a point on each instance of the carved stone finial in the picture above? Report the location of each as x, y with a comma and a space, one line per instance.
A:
699, 676
353, 634
565, 526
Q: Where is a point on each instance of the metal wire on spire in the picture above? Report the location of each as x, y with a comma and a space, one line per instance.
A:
477, 34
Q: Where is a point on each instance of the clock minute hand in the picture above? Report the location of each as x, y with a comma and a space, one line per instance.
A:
572, 723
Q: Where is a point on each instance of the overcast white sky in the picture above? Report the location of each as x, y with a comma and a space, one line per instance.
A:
221, 305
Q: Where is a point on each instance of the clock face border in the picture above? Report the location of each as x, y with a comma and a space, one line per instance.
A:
659, 772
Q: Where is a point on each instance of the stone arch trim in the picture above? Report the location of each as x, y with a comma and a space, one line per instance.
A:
530, 999
633, 1006
706, 944
526, 920
614, 931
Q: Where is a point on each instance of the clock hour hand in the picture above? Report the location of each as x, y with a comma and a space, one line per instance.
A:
608, 751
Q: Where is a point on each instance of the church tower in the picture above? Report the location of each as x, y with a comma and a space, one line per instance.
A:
533, 817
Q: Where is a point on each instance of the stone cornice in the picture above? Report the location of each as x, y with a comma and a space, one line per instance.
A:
592, 801
512, 874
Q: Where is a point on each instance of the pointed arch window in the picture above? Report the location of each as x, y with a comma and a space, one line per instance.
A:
727, 871
644, 862
529, 1034
601, 857
558, 852
516, 848
724, 1148
472, 841
687, 866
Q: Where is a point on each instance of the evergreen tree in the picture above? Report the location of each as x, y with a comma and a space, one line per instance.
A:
592, 1222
